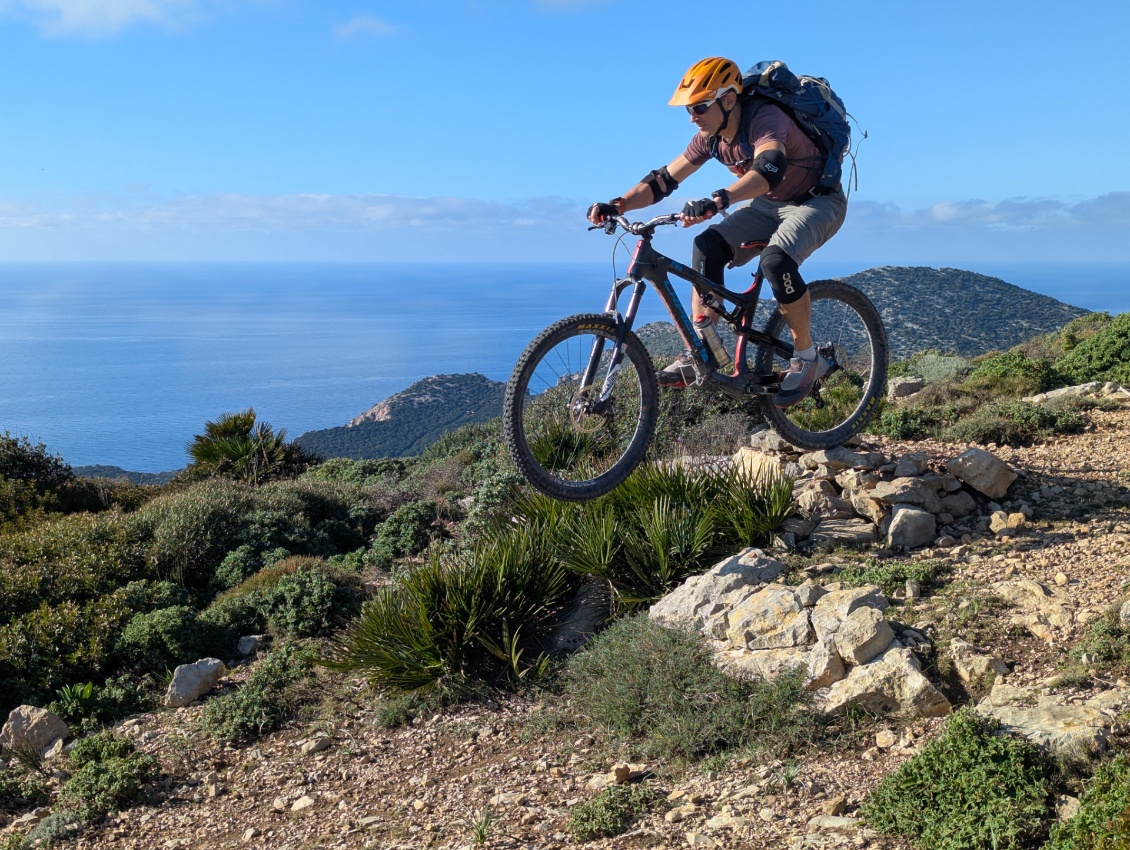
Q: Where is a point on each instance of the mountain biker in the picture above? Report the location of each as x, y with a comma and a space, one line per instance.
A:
778, 180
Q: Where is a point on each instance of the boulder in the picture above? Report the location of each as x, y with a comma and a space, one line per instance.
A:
911, 464
695, 603
191, 681
834, 532
772, 618
862, 635
892, 683
31, 728
840, 458
911, 527
902, 387
983, 471
907, 491
959, 504
1071, 731
760, 465
834, 607
250, 644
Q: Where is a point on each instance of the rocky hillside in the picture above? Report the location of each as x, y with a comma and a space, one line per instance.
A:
1013, 579
405, 423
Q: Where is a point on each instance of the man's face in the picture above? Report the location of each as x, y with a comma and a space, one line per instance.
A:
707, 117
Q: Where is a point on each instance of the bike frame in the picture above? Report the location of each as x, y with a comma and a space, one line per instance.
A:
648, 265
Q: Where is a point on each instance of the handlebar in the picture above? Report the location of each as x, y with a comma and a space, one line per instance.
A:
637, 228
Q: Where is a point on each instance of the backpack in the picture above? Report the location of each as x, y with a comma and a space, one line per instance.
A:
812, 104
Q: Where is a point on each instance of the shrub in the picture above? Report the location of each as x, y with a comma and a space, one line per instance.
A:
385, 472
1107, 639
967, 789
1103, 819
236, 446
659, 691
891, 575
459, 619
407, 532
165, 638
1015, 423
276, 688
311, 602
1013, 374
29, 477
910, 423
931, 366
110, 774
661, 525
1103, 356
612, 811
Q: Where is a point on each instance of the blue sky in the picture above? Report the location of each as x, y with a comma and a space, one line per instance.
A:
481, 129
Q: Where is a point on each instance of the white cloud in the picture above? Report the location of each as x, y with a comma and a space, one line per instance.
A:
373, 226
105, 18
365, 25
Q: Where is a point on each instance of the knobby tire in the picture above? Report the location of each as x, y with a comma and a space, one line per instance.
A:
568, 455
846, 318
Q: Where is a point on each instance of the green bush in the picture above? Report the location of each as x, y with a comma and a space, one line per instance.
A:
661, 525
277, 687
659, 692
311, 602
967, 789
109, 774
68, 559
407, 532
459, 619
1016, 423
385, 472
108, 702
1102, 356
891, 575
1107, 640
931, 366
1013, 374
165, 638
30, 479
1103, 819
910, 423
611, 812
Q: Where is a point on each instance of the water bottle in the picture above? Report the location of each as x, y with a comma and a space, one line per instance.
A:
709, 334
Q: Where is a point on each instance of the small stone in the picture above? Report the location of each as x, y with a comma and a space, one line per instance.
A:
279, 804
835, 806
885, 739
674, 816
697, 839
767, 814
301, 803
1061, 579
317, 745
248, 834
419, 806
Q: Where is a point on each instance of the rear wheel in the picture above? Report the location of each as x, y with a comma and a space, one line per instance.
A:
573, 441
847, 329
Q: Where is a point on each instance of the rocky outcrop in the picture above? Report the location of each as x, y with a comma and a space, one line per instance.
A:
848, 497
1068, 730
839, 637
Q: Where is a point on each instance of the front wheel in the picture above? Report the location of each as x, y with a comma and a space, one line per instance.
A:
575, 426
846, 329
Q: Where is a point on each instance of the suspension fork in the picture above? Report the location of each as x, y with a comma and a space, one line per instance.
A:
624, 324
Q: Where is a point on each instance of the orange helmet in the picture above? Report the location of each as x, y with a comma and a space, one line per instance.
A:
707, 80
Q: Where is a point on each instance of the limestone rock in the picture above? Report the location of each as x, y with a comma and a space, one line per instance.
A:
700, 598
193, 680
772, 618
907, 491
911, 464
862, 635
835, 607
854, 532
760, 465
250, 644
983, 471
902, 387
32, 728
893, 683
973, 664
959, 504
1068, 730
911, 527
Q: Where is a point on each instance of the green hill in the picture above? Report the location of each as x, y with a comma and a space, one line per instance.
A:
407, 422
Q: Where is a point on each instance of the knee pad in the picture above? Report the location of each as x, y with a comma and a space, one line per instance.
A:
783, 275
710, 254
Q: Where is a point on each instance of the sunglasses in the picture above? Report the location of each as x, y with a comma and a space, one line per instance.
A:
701, 108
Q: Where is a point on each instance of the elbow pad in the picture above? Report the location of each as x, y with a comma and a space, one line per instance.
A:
660, 182
771, 165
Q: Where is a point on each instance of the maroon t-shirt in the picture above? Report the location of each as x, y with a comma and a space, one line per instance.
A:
769, 124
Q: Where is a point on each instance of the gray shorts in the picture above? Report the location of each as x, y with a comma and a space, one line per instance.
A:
797, 229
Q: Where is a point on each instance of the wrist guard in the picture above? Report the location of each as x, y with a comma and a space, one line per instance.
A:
660, 182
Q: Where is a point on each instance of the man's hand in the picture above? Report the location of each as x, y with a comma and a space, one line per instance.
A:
696, 211
599, 212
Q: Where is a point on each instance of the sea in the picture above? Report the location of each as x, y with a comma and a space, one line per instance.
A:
122, 364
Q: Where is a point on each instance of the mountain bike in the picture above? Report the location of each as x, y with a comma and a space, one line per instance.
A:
581, 404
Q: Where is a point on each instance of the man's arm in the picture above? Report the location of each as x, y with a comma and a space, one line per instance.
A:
750, 185
643, 194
